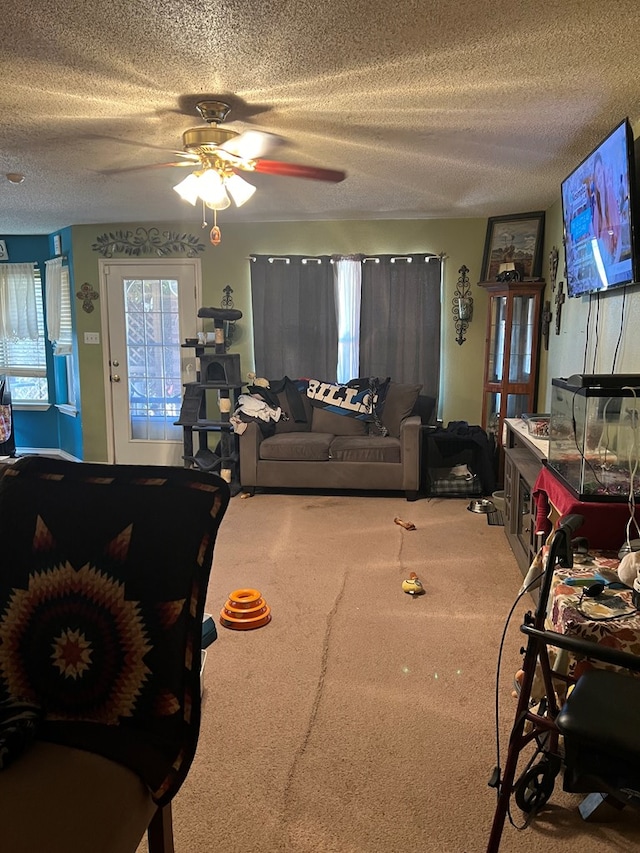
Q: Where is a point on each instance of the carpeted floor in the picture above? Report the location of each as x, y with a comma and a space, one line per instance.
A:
361, 719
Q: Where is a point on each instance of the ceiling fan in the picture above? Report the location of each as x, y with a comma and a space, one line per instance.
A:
218, 155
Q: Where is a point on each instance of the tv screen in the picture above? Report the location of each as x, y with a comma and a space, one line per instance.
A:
597, 210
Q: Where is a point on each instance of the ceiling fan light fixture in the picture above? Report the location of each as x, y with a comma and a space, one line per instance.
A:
241, 190
220, 203
212, 191
189, 188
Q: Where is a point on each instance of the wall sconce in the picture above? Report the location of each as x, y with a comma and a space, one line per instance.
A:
462, 305
508, 272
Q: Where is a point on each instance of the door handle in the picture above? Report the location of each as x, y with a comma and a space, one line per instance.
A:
115, 377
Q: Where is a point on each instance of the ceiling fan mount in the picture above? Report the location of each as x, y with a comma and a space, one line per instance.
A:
211, 135
213, 112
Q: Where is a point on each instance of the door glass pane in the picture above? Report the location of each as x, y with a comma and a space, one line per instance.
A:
496, 342
521, 339
516, 405
153, 358
492, 412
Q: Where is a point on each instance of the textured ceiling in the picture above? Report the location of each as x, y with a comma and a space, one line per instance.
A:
434, 108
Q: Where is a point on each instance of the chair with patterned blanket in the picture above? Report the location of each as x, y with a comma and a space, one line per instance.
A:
7, 438
103, 576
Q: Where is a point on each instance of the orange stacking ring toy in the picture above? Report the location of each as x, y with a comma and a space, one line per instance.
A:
244, 609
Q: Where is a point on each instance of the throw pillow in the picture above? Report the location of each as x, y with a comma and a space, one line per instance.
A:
327, 421
425, 408
398, 404
346, 409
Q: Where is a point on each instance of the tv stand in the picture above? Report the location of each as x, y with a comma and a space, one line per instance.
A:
524, 457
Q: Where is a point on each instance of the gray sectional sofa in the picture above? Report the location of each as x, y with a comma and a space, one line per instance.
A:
317, 449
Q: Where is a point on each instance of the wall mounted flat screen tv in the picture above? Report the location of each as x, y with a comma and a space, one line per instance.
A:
598, 207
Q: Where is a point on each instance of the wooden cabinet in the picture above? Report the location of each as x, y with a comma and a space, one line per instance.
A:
511, 352
523, 460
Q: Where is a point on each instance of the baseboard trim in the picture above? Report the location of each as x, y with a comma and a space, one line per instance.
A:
55, 452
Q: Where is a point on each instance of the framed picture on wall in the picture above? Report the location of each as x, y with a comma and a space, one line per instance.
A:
515, 239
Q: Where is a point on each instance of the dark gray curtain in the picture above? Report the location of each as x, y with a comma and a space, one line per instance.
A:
400, 320
295, 329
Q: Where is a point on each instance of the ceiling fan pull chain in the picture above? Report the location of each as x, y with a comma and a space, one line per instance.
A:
204, 216
215, 236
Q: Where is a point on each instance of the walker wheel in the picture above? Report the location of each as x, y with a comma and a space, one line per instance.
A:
535, 786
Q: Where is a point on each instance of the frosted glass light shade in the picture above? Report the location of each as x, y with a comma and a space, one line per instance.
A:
189, 188
211, 190
240, 189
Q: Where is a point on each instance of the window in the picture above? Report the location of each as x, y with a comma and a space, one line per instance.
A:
65, 360
377, 316
60, 333
23, 357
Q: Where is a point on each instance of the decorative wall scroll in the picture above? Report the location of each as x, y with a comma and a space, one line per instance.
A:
229, 325
145, 241
560, 297
553, 267
546, 322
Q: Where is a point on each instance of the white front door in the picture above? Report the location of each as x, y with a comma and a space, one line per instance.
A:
151, 307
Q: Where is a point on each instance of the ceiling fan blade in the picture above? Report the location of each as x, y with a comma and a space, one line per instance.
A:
294, 170
190, 163
251, 144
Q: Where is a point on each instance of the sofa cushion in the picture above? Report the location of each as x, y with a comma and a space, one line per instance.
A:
398, 404
297, 447
325, 421
368, 448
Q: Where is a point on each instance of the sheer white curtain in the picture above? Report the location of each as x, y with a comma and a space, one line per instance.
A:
18, 315
347, 280
58, 307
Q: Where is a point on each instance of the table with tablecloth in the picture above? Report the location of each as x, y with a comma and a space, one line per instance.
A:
609, 619
604, 523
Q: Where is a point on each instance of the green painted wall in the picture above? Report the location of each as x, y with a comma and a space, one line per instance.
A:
461, 240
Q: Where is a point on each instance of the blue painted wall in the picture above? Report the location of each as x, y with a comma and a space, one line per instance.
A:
50, 428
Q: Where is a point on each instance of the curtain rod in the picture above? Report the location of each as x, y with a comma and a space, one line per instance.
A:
428, 257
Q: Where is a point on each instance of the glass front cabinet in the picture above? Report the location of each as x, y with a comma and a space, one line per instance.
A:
511, 352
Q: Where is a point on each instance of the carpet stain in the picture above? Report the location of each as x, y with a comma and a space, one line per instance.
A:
318, 691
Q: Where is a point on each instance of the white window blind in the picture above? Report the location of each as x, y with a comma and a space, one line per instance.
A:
59, 324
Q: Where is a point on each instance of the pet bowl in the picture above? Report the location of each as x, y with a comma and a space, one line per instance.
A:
481, 505
498, 500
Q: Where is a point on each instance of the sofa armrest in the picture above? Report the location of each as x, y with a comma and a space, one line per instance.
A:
249, 445
410, 451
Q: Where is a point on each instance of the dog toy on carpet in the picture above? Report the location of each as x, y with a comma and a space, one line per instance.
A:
413, 585
408, 525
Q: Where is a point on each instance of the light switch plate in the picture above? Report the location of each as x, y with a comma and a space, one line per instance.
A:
92, 337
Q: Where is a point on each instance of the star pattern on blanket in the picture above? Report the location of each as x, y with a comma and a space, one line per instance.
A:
87, 640
71, 653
